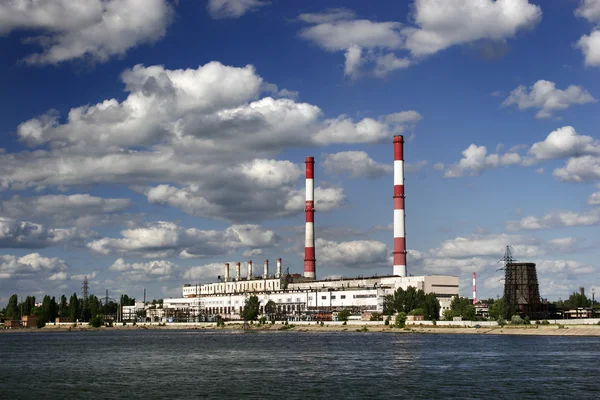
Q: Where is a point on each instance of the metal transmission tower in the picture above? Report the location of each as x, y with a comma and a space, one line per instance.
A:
521, 288
85, 294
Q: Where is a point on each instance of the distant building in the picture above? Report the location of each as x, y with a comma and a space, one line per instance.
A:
12, 323
29, 321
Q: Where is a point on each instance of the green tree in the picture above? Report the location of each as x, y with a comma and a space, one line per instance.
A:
45, 309
251, 308
343, 315
374, 316
431, 307
270, 309
576, 300
448, 314
410, 299
12, 309
97, 321
74, 308
400, 320
498, 309
462, 307
63, 309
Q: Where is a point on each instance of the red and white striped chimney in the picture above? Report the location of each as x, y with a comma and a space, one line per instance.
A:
309, 245
399, 231
474, 289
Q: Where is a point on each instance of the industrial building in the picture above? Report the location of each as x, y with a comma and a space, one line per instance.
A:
302, 296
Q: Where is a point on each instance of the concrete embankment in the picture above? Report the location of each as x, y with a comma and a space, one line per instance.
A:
585, 328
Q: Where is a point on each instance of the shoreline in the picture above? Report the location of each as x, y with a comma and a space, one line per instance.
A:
531, 330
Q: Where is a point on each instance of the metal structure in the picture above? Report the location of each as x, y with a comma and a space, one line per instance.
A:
85, 289
399, 228
309, 245
521, 288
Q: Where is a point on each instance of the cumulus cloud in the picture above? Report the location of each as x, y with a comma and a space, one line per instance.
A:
590, 47
563, 143
24, 234
434, 26
544, 95
221, 9
357, 253
590, 44
207, 126
205, 272
164, 239
487, 245
97, 29
356, 163
556, 219
32, 265
153, 270
76, 209
594, 199
580, 169
476, 159
442, 24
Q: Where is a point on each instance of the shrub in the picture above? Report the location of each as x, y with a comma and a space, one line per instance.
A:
221, 323
401, 320
434, 322
322, 323
545, 322
537, 322
343, 315
40, 323
97, 321
526, 321
286, 327
345, 323
374, 316
501, 321
363, 329
124, 323
262, 320
272, 322
387, 321
516, 320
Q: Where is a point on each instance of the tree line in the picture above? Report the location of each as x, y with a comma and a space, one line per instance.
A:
76, 308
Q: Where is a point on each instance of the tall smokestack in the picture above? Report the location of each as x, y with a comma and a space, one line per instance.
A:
238, 271
399, 231
226, 272
250, 270
278, 273
309, 245
266, 271
474, 289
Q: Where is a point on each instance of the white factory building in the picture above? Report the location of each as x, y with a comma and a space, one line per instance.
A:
303, 296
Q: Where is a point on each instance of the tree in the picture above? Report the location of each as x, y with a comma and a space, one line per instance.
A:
63, 309
410, 299
431, 307
498, 309
270, 308
12, 309
577, 300
343, 315
462, 307
74, 309
251, 308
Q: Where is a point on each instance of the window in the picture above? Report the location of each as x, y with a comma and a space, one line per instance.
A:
364, 296
323, 297
297, 299
343, 296
332, 297
435, 285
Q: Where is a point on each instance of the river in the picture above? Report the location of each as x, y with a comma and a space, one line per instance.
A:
173, 364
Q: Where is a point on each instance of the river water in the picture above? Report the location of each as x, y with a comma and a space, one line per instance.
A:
174, 364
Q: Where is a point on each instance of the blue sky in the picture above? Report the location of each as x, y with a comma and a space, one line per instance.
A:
145, 143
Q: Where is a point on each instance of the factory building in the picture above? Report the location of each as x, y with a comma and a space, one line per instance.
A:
301, 296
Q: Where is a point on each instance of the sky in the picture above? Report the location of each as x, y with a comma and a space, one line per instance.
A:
144, 143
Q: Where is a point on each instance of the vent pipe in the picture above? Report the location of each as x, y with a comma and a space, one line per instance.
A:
278, 273
238, 271
226, 272
266, 271
250, 269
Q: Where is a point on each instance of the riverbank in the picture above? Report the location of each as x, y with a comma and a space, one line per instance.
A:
536, 330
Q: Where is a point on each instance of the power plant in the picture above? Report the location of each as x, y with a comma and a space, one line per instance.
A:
304, 296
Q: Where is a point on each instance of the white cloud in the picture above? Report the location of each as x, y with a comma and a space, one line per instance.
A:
437, 26
594, 199
544, 96
205, 272
580, 169
357, 163
220, 9
590, 47
23, 234
564, 245
441, 24
487, 245
153, 270
164, 239
475, 160
589, 9
556, 219
252, 253
31, 265
76, 209
357, 253
97, 29
81, 277
563, 143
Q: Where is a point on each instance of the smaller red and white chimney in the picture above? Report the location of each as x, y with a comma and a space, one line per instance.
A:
474, 289
278, 273
238, 271
249, 270
266, 271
